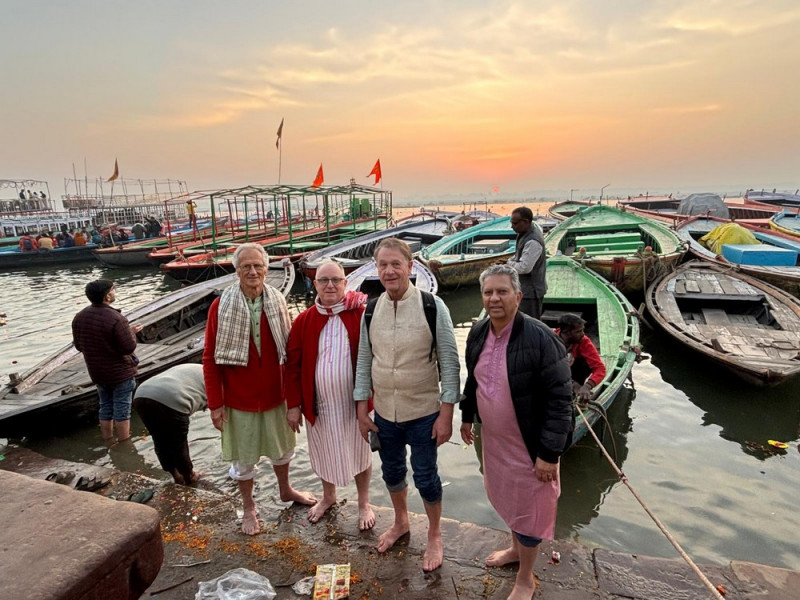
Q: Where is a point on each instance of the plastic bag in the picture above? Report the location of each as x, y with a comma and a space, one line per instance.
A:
236, 584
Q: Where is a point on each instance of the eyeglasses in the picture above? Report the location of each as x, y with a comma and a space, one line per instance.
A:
324, 281
246, 268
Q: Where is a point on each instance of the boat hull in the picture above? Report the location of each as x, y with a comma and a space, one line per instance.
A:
457, 273
365, 279
11, 259
720, 314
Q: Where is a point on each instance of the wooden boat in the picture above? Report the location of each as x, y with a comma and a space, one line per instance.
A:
352, 253
675, 210
13, 258
459, 259
365, 279
773, 244
744, 324
786, 222
774, 198
561, 211
626, 249
211, 264
545, 222
173, 333
611, 323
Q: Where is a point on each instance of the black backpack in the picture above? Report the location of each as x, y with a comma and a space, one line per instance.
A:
428, 305
27, 244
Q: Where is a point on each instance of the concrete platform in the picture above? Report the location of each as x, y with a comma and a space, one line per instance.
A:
62, 544
202, 541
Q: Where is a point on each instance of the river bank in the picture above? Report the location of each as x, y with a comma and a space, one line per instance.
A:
202, 541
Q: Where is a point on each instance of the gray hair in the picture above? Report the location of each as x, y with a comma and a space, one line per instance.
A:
510, 272
249, 246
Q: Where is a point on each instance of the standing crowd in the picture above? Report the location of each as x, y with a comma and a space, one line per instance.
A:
365, 376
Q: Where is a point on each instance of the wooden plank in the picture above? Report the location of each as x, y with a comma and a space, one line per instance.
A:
692, 286
715, 316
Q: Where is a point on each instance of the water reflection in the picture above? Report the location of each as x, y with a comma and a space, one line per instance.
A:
745, 414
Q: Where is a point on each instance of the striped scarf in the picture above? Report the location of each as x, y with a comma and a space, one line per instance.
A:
233, 331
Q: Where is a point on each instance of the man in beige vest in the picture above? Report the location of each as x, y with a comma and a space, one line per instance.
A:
396, 364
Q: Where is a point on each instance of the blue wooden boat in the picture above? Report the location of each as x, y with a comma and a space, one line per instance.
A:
14, 258
759, 261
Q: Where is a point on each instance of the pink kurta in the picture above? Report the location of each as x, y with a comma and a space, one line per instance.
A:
335, 446
527, 505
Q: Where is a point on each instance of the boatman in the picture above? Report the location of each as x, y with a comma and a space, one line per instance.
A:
107, 342
165, 403
399, 357
586, 365
243, 364
191, 208
529, 261
518, 386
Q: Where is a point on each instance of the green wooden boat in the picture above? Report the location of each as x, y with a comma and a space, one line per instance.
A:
458, 259
611, 323
628, 250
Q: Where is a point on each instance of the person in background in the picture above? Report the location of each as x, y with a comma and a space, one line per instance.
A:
27, 243
518, 386
243, 366
320, 367
108, 342
155, 227
96, 237
45, 242
69, 241
191, 209
165, 402
585, 363
400, 359
529, 261
80, 238
138, 231
122, 235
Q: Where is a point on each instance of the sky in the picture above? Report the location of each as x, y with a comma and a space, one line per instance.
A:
454, 97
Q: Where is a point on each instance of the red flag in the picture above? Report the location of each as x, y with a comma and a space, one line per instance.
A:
376, 170
319, 179
116, 172
280, 133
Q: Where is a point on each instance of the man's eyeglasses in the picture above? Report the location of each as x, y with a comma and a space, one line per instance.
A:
323, 281
246, 268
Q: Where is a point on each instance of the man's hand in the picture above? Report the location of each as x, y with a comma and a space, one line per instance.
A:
583, 392
545, 471
294, 417
466, 433
218, 417
365, 425
443, 426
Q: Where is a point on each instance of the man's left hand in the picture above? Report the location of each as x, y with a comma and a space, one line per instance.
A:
545, 471
294, 417
442, 428
584, 392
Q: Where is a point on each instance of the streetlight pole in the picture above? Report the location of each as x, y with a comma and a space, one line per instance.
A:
601, 192
570, 193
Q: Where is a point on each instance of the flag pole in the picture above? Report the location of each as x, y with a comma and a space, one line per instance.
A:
279, 146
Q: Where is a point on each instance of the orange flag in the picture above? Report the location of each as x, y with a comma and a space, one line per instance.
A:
376, 170
280, 133
319, 179
116, 172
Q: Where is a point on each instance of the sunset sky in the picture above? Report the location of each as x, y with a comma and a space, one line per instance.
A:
452, 96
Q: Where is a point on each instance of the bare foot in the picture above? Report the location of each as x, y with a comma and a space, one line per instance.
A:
194, 477
366, 518
432, 558
319, 509
390, 536
522, 591
292, 495
502, 558
250, 525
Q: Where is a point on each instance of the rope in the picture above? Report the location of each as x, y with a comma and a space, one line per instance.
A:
624, 479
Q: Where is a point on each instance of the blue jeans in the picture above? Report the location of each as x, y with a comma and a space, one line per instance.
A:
417, 434
115, 400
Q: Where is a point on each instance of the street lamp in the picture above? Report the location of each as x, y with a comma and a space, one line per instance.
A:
601, 191
570, 193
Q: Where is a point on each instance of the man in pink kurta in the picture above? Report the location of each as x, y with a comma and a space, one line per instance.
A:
518, 386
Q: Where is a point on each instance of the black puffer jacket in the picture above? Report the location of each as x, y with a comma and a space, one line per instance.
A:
541, 387
107, 342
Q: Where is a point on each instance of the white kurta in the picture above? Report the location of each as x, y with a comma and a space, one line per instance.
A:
335, 446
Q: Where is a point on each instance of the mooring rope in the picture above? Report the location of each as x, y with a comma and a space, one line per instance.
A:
624, 479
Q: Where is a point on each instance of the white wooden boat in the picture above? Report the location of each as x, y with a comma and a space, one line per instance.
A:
365, 279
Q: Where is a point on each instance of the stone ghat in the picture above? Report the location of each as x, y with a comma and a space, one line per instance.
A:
117, 551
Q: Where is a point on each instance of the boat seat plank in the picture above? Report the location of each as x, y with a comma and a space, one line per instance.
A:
691, 286
756, 298
715, 316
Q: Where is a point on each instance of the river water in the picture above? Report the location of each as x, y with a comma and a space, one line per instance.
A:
690, 439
